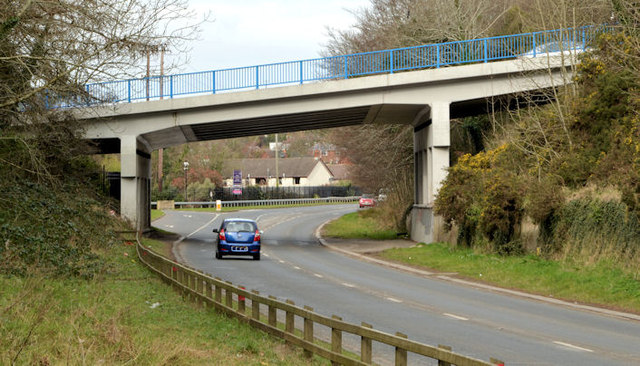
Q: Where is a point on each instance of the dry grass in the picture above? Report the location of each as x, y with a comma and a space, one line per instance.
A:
111, 321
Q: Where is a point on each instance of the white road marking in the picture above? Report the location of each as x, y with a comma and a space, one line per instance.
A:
572, 346
318, 275
281, 261
455, 316
296, 267
348, 284
169, 226
205, 225
394, 300
265, 254
189, 216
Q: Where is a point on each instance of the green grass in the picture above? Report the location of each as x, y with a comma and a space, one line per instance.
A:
158, 246
110, 320
602, 283
156, 214
357, 225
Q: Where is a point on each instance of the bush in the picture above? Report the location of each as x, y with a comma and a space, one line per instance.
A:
484, 198
593, 229
54, 232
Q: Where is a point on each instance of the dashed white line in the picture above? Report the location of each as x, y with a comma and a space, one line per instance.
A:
568, 345
394, 300
281, 261
348, 284
455, 316
318, 275
296, 267
204, 226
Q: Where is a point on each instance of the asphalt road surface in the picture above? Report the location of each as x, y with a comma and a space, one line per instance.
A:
475, 322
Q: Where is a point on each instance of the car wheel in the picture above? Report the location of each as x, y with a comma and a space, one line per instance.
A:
256, 257
218, 255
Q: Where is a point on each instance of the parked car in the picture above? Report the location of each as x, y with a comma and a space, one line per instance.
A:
556, 48
238, 237
367, 200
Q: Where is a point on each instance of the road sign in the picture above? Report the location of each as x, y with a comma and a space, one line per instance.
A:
237, 177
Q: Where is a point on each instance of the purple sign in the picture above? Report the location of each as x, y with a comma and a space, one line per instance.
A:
237, 177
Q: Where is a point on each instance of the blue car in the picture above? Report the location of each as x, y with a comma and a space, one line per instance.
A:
238, 237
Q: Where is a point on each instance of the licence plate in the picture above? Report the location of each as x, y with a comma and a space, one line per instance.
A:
239, 249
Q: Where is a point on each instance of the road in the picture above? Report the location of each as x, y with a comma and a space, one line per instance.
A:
475, 322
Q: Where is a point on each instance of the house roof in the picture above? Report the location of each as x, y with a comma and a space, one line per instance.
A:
340, 171
263, 168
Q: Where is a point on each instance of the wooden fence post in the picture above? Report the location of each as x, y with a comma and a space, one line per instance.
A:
255, 307
336, 340
229, 296
289, 324
401, 354
241, 303
200, 289
366, 349
218, 292
440, 362
272, 313
209, 290
308, 332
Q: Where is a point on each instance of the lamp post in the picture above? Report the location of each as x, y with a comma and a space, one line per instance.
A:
185, 166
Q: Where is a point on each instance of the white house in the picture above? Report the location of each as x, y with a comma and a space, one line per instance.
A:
291, 171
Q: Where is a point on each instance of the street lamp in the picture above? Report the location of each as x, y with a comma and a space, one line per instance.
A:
185, 166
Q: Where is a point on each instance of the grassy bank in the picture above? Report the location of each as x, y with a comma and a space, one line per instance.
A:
124, 316
361, 224
602, 283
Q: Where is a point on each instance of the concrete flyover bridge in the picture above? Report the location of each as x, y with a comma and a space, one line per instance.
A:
421, 86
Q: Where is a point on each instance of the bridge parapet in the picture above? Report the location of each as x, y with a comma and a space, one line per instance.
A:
341, 67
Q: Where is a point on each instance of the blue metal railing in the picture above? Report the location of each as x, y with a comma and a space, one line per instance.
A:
338, 67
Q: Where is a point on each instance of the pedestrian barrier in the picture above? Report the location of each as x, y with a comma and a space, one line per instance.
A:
262, 312
276, 202
337, 67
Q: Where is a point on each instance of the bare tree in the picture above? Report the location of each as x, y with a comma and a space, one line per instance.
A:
49, 49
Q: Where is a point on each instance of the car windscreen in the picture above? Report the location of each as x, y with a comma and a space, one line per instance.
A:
240, 226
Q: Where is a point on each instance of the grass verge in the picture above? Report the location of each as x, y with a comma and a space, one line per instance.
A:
156, 214
126, 315
358, 225
603, 283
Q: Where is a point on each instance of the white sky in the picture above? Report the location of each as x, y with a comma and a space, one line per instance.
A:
252, 32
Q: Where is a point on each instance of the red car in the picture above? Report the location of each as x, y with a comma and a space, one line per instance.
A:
367, 200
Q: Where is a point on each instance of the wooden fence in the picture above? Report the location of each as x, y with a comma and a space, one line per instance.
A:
253, 308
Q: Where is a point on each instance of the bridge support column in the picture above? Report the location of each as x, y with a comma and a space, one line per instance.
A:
135, 182
431, 143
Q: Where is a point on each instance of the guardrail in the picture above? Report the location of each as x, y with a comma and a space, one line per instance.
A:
251, 307
336, 67
245, 203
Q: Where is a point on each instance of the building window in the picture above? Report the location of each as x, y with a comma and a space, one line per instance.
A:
296, 180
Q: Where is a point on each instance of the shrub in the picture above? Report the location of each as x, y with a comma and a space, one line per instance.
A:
484, 197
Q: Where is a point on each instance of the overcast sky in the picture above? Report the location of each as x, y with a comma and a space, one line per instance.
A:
251, 32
